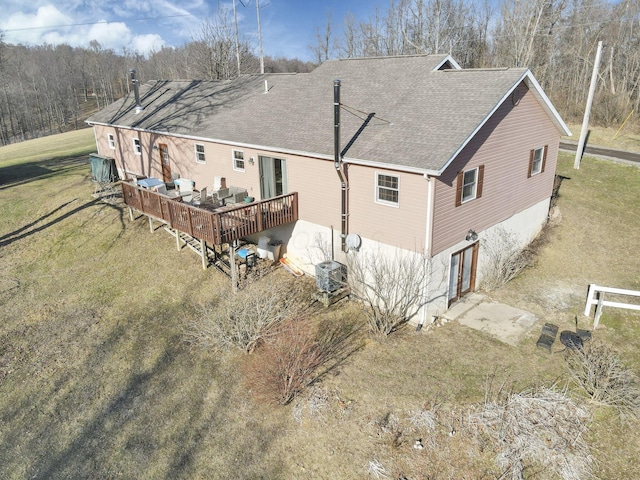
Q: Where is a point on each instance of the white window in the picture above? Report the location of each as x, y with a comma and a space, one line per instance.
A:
387, 189
200, 153
537, 159
136, 146
238, 160
469, 185
112, 141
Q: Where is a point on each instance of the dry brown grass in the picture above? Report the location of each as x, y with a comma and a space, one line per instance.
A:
628, 138
96, 380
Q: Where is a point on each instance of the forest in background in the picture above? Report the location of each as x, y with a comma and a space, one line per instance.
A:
49, 89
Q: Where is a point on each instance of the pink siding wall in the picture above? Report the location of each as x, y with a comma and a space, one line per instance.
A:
502, 146
315, 180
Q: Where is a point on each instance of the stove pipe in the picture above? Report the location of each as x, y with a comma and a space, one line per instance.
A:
134, 82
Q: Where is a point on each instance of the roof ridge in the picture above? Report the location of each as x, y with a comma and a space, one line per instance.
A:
493, 69
381, 57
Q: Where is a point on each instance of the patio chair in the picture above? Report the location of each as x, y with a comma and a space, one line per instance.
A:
186, 188
200, 197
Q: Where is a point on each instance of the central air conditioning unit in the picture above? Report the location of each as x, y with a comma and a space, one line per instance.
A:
330, 276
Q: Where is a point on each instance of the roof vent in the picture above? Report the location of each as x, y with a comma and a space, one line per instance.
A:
134, 82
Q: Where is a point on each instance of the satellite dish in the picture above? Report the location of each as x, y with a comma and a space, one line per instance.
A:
354, 241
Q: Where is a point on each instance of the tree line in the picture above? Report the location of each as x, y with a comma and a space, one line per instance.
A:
556, 39
47, 89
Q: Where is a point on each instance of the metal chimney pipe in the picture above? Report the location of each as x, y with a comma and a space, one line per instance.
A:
134, 82
336, 124
337, 163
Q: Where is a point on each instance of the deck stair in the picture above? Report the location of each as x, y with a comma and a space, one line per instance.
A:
214, 258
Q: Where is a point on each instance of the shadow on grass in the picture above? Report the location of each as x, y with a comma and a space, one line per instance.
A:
172, 415
31, 229
23, 173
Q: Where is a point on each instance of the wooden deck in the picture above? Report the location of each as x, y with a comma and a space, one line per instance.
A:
216, 227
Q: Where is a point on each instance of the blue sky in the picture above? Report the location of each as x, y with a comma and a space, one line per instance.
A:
288, 26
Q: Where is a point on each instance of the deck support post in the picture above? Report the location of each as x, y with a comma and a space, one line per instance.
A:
130, 214
151, 224
203, 249
234, 267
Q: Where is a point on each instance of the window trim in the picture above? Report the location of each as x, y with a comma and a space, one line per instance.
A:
111, 140
234, 160
478, 185
198, 155
137, 146
543, 160
382, 201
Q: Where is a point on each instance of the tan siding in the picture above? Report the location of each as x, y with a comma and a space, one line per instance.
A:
503, 146
403, 226
315, 180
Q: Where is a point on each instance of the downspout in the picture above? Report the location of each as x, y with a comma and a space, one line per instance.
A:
337, 163
428, 243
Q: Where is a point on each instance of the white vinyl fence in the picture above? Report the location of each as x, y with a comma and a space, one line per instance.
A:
599, 301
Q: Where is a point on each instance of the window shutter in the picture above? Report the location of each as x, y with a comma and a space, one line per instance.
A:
544, 158
459, 189
479, 181
531, 155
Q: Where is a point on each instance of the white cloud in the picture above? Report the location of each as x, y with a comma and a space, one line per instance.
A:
146, 43
115, 35
30, 27
50, 25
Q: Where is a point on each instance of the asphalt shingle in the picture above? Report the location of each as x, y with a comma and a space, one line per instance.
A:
422, 116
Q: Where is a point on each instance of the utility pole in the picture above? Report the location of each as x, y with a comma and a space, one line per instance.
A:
587, 111
235, 21
260, 37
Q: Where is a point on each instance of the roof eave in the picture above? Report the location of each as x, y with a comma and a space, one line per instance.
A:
320, 156
392, 166
538, 93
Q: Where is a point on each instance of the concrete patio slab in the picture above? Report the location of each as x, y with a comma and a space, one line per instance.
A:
508, 324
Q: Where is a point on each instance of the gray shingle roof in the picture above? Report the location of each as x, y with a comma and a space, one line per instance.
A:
422, 116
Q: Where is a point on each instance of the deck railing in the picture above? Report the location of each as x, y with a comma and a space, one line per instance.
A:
216, 227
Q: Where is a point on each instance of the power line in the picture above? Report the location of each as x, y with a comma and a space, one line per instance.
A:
95, 23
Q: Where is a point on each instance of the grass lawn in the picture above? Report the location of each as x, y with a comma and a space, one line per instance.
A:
97, 380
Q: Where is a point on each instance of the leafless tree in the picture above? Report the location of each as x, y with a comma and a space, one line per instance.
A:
505, 258
324, 45
392, 289
599, 373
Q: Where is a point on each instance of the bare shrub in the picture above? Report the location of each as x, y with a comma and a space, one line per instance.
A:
505, 259
543, 428
296, 354
388, 427
314, 405
423, 419
376, 470
391, 289
244, 319
600, 374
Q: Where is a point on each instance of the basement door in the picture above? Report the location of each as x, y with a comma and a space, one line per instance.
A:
273, 177
462, 276
164, 161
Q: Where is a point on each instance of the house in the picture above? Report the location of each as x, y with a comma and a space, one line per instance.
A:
403, 154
